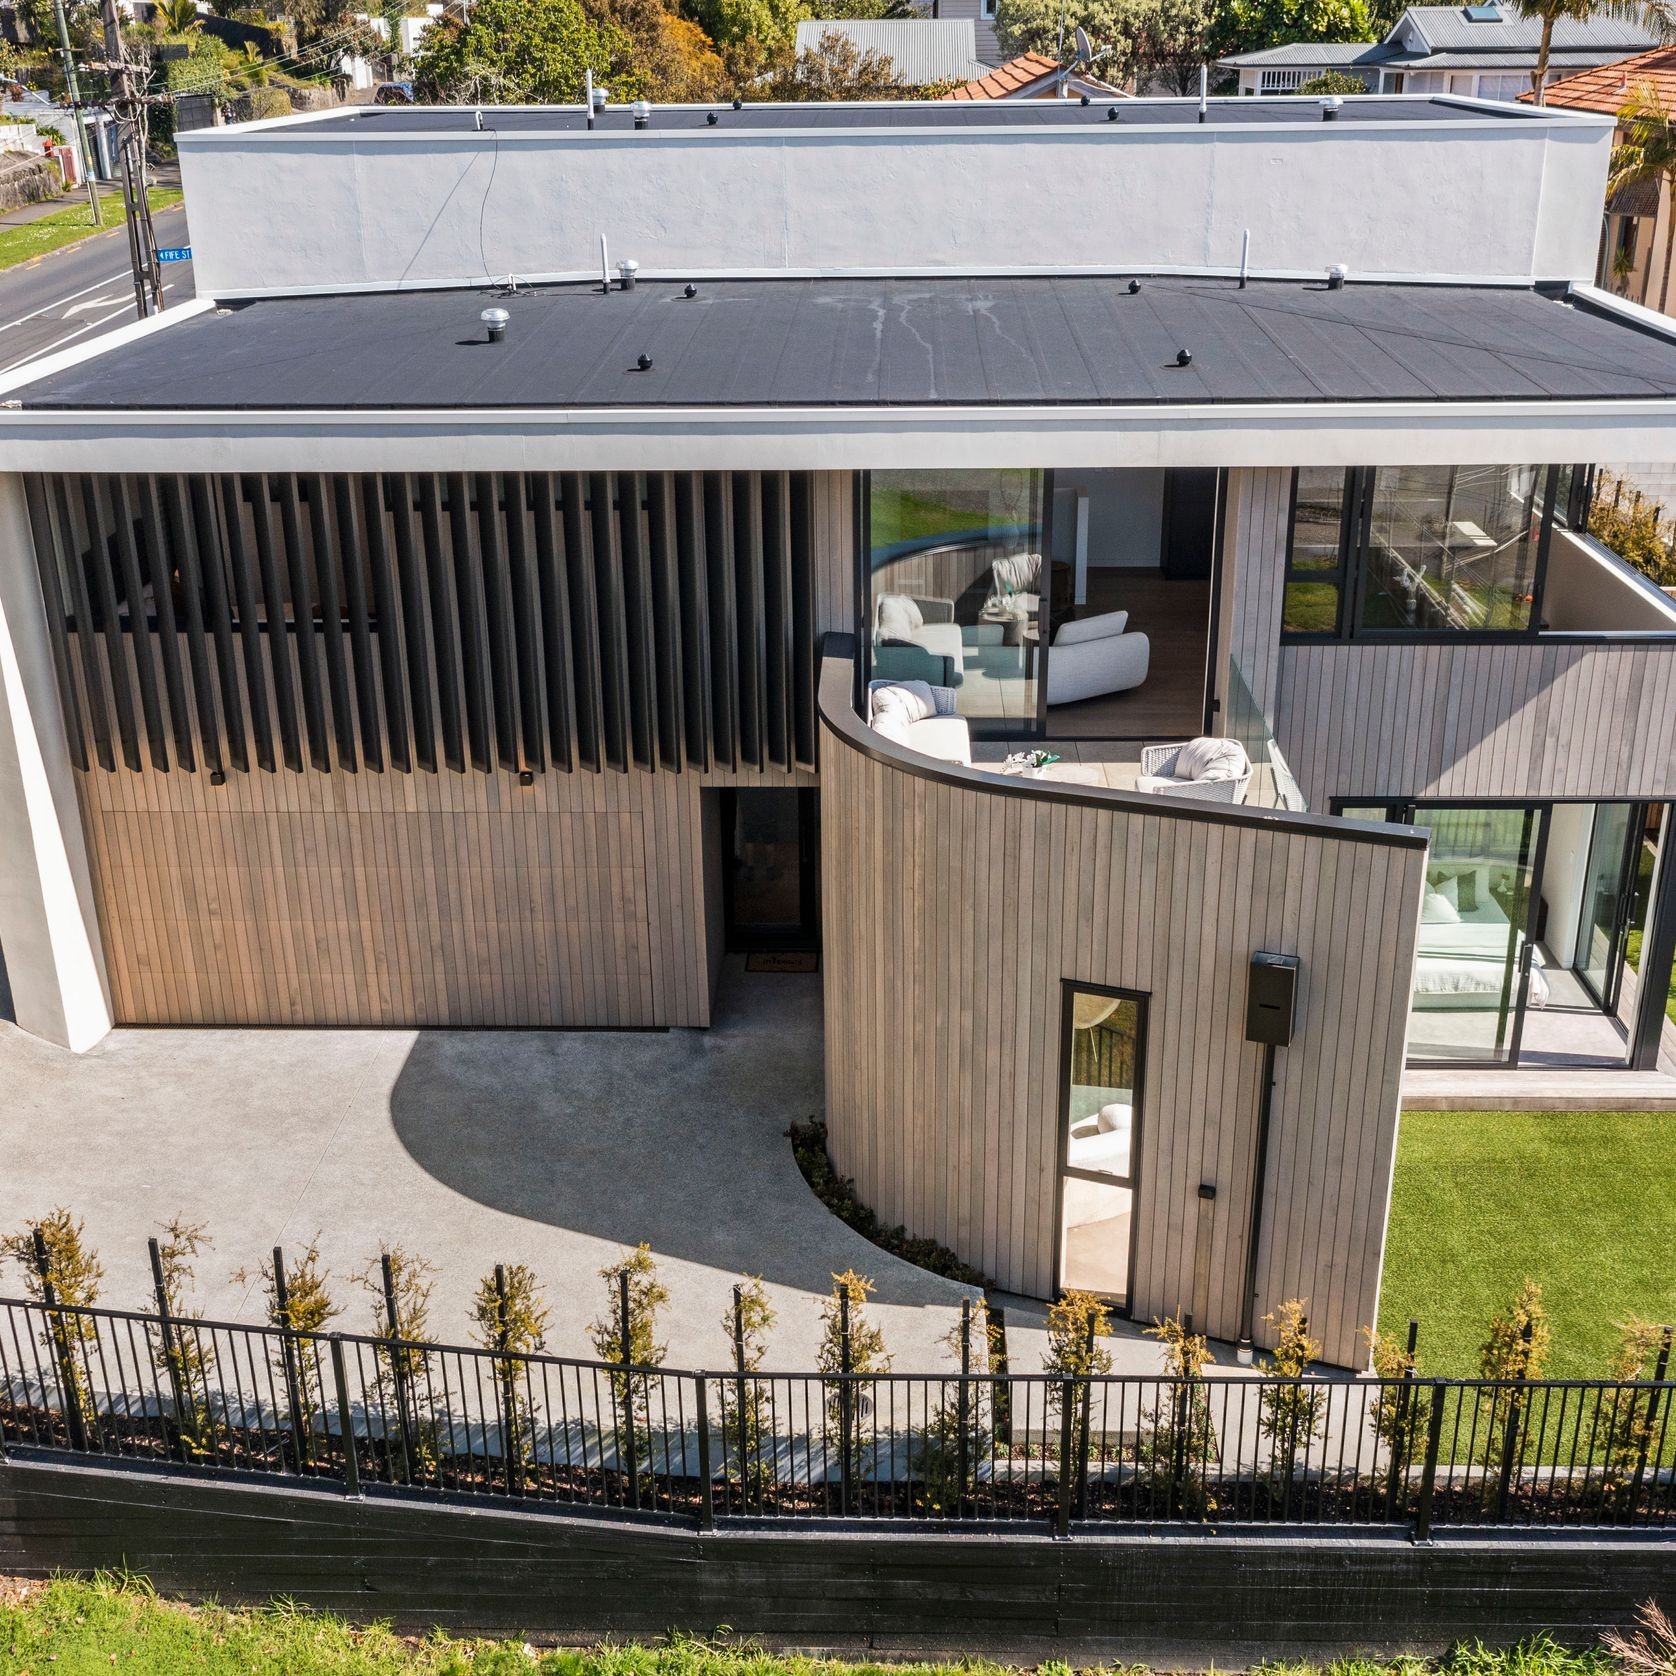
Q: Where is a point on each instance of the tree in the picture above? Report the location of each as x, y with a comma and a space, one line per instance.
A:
836, 68
731, 23
176, 17
1114, 27
1252, 25
1648, 153
518, 52
1549, 12
1174, 41
1332, 81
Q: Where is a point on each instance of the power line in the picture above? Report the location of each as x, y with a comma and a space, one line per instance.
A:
128, 103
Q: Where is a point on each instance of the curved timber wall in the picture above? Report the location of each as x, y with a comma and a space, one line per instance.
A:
955, 902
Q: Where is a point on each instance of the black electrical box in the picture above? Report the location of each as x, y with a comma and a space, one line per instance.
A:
1271, 999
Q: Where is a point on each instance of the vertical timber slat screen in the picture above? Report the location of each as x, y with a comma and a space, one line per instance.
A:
409, 622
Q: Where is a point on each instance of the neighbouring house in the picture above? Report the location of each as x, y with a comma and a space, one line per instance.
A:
923, 51
1634, 241
1033, 75
1480, 51
389, 641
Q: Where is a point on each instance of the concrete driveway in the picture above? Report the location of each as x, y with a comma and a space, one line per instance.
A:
552, 1148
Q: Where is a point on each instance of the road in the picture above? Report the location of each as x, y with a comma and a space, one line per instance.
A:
70, 294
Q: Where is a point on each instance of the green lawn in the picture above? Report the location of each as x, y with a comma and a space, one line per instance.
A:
1582, 1202
83, 1628
71, 226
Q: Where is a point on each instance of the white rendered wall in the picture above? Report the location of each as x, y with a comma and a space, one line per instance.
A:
48, 927
291, 206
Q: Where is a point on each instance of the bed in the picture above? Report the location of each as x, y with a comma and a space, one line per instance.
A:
1465, 946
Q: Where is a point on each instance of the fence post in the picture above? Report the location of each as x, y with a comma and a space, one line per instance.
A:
288, 1361
626, 1339
346, 1423
398, 1372
171, 1356
1399, 1424
1067, 1411
69, 1385
706, 1496
1510, 1431
963, 1404
1085, 1420
1428, 1474
1661, 1368
741, 1426
511, 1444
846, 1402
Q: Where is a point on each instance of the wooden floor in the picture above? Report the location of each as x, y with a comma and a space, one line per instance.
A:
1175, 617
1536, 1091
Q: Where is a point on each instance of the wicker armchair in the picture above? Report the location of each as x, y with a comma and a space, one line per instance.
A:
1180, 770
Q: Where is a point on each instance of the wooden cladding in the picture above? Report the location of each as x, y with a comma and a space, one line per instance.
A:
492, 621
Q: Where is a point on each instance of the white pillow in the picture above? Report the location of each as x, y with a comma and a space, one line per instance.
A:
1211, 759
899, 617
1090, 628
1451, 893
1437, 909
911, 700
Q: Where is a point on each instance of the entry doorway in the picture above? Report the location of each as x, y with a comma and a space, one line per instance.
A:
771, 869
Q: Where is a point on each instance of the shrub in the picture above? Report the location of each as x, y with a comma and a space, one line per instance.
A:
1514, 1349
1075, 1326
510, 1317
1290, 1415
1400, 1413
632, 1392
746, 1416
1332, 81
1649, 1649
1632, 1424
952, 1443
859, 1350
184, 1356
1633, 527
308, 1308
1177, 1436
75, 1275
401, 1315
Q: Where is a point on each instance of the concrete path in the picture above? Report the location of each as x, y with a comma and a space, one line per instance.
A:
553, 1148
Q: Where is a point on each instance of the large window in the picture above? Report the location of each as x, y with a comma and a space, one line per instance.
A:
1105, 1035
958, 578
1421, 550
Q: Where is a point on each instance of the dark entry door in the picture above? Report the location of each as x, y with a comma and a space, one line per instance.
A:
771, 863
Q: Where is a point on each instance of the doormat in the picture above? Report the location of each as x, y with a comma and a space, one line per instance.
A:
788, 960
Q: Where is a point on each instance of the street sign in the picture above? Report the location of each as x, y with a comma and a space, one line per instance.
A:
176, 253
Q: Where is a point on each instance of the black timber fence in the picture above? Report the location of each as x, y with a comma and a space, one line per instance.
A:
347, 1413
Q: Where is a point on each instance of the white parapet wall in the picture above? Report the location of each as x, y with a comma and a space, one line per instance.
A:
1459, 190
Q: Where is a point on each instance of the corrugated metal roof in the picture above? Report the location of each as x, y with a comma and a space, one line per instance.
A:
1558, 62
876, 342
1326, 54
923, 49
1449, 29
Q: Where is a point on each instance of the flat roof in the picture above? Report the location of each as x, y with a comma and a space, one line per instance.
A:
399, 120
866, 342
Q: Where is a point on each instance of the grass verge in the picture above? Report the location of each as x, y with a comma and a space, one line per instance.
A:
1582, 1202
75, 1628
70, 226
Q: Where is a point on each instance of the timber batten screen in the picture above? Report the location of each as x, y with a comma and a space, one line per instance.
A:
415, 621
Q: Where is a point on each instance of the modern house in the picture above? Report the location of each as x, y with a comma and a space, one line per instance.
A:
438, 623
1634, 248
1476, 51
923, 51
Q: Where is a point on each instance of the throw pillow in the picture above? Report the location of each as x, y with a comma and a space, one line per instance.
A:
1449, 890
1437, 909
1466, 892
898, 617
1080, 629
911, 700
1211, 759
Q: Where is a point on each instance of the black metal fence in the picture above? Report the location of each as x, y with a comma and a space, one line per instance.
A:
1022, 1451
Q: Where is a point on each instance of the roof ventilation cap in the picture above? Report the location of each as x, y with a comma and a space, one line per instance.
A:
1336, 276
495, 319
1330, 107
644, 363
711, 118
1184, 357
1134, 286
628, 271
691, 290
642, 113
1111, 114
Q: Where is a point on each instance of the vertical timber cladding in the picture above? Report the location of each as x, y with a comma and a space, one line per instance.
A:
304, 754
952, 915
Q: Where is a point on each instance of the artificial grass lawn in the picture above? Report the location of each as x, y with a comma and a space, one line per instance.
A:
1582, 1202
71, 226
75, 1628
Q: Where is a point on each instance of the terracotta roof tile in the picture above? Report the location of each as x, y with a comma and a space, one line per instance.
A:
1009, 79
1608, 87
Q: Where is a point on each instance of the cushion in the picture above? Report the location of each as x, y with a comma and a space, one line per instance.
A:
947, 737
1436, 909
911, 700
1211, 759
1450, 892
1015, 573
899, 617
1466, 892
1090, 628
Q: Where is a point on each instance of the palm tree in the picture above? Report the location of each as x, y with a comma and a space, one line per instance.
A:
1647, 152
1550, 12
177, 16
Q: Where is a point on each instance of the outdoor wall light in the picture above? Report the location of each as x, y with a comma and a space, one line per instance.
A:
495, 319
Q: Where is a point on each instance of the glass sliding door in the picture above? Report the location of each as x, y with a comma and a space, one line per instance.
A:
1472, 968
959, 581
1608, 900
1104, 1035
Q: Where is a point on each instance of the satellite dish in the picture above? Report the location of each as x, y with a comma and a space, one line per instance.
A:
1085, 52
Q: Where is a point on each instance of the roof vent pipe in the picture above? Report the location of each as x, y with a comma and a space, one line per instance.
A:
588, 94
1245, 256
495, 319
604, 264
1204, 91
642, 113
1330, 107
1336, 276
628, 270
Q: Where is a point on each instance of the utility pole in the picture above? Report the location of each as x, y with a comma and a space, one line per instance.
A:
129, 104
74, 91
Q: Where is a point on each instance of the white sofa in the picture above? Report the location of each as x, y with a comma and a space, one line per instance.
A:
917, 639
921, 717
1217, 770
1093, 656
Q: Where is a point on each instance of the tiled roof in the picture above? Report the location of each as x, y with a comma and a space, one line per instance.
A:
1009, 80
1608, 87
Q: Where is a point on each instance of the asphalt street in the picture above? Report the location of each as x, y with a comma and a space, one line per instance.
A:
69, 295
